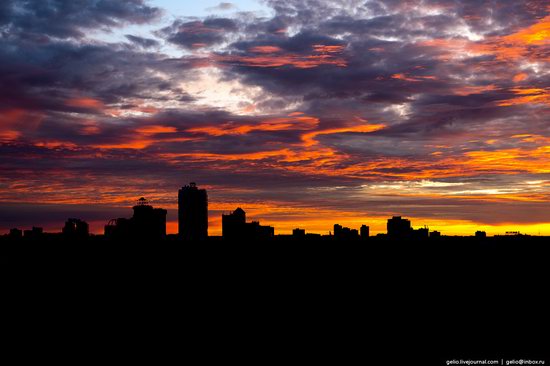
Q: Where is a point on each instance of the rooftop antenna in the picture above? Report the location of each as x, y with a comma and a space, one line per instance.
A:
142, 202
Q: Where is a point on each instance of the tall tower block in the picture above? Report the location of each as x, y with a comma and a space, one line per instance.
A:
192, 213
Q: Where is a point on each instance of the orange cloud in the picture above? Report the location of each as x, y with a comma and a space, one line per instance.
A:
152, 130
265, 49
88, 103
15, 121
527, 96
90, 128
323, 55
148, 109
405, 77
134, 144
309, 138
274, 124
523, 44
9, 135
144, 138
520, 77
474, 89
328, 49
314, 159
538, 34
53, 144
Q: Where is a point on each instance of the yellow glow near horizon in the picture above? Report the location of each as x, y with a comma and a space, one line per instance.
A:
378, 226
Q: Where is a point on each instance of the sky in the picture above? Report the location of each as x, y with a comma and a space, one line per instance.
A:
305, 113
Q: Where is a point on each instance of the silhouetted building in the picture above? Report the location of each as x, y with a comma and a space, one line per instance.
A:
120, 228
313, 236
345, 233
481, 234
235, 227
192, 213
435, 234
420, 234
34, 233
399, 227
146, 223
364, 231
15, 233
76, 229
233, 224
256, 231
337, 230
299, 233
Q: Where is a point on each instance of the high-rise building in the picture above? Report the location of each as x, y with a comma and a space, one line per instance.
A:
364, 232
399, 227
192, 213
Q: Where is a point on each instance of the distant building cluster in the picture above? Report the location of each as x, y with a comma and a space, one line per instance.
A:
345, 233
235, 227
76, 229
399, 228
149, 223
146, 223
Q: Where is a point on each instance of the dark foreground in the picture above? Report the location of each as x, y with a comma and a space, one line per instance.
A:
487, 254
284, 301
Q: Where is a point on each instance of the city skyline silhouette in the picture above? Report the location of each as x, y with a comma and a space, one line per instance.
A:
149, 223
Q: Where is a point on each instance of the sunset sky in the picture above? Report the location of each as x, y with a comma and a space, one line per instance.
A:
305, 113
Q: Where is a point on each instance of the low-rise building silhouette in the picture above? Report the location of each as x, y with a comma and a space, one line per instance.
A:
435, 234
299, 233
146, 223
15, 233
480, 234
34, 233
421, 234
75, 229
233, 224
235, 227
345, 233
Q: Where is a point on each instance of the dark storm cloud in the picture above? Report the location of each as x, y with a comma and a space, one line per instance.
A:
386, 64
83, 78
509, 14
199, 33
48, 77
142, 42
70, 18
